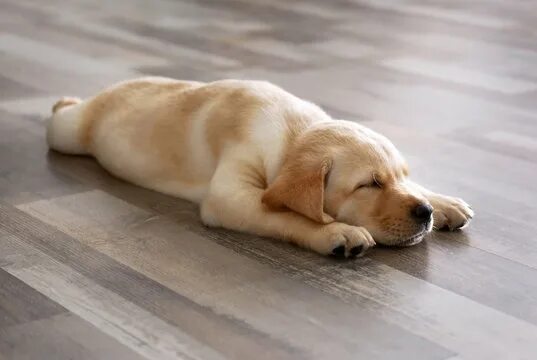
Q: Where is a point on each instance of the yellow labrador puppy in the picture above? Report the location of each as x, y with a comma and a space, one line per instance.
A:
257, 159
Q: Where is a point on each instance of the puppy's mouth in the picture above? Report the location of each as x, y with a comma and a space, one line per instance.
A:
413, 240
417, 238
399, 240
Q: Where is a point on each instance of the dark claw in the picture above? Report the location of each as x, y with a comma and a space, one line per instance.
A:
339, 252
355, 251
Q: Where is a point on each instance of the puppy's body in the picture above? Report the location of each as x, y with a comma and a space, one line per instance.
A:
256, 158
169, 135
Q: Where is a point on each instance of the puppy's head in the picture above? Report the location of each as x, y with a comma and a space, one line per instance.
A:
342, 171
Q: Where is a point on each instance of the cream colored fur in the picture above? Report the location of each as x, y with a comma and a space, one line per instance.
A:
257, 159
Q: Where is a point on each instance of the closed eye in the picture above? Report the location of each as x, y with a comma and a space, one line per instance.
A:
374, 184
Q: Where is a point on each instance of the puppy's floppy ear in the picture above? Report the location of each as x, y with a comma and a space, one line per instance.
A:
300, 187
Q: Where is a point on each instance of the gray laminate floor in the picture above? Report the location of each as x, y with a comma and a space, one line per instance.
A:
94, 268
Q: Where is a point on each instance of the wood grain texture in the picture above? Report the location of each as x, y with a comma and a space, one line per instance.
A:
20, 303
186, 265
63, 336
92, 267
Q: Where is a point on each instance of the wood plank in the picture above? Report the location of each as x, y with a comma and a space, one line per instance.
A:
341, 281
455, 74
20, 303
11, 89
27, 176
62, 336
56, 58
231, 292
196, 320
443, 13
120, 319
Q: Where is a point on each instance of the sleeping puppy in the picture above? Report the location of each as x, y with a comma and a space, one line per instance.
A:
257, 159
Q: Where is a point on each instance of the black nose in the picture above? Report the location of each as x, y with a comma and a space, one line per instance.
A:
422, 213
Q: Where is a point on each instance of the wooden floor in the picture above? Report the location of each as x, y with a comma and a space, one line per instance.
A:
94, 268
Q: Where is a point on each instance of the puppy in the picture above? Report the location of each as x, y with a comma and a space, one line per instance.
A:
257, 159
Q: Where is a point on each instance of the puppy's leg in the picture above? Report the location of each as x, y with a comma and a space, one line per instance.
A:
449, 212
234, 202
63, 128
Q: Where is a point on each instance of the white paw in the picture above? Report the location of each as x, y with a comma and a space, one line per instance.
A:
450, 213
343, 241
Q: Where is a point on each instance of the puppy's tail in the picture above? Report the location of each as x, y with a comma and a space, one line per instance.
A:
63, 128
64, 102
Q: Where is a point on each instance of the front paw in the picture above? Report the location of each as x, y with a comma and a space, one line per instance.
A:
450, 213
344, 241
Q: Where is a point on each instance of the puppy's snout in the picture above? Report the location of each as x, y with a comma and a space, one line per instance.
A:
422, 213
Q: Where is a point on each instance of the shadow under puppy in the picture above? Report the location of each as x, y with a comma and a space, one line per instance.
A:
257, 159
